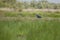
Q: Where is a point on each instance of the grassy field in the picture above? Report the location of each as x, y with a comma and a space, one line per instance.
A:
30, 29
30, 14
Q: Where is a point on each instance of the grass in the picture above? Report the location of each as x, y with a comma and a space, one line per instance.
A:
30, 30
30, 14
45, 31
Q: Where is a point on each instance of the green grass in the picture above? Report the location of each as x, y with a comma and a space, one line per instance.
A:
30, 30
30, 14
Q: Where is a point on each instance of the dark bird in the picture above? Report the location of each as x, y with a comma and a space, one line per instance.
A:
38, 16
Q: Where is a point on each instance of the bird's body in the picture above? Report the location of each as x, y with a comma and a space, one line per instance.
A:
38, 16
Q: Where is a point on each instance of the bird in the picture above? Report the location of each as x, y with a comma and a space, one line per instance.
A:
38, 16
